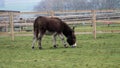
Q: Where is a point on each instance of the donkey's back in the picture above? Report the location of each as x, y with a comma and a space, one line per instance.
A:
49, 24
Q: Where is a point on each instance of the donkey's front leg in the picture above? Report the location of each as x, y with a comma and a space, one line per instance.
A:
54, 40
63, 40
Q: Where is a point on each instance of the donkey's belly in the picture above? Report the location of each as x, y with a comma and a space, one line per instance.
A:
49, 32
53, 30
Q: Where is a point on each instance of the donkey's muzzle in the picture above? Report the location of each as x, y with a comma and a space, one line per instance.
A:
74, 45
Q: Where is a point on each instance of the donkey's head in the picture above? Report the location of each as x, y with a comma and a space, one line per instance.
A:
71, 39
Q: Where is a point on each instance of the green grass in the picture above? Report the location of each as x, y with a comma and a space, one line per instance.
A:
104, 52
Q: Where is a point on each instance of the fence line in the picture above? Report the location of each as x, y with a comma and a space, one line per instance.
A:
92, 17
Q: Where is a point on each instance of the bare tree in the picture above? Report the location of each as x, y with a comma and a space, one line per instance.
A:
47, 5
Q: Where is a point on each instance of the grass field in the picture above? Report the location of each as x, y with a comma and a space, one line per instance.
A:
99, 27
101, 53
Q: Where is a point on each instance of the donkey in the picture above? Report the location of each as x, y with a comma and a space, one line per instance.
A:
57, 27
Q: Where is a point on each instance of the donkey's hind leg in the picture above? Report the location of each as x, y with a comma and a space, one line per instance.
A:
34, 40
40, 39
54, 40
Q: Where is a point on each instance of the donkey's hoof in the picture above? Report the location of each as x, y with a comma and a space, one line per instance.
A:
55, 46
73, 46
32, 47
40, 48
65, 46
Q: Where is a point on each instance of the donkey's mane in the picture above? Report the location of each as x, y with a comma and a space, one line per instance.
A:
66, 30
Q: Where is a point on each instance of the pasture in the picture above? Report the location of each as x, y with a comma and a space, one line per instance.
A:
104, 52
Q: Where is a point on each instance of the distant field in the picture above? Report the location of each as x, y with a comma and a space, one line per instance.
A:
104, 52
99, 27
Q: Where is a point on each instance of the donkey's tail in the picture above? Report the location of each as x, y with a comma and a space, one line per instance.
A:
36, 30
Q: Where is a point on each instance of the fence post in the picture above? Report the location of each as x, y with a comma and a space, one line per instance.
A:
11, 25
94, 23
52, 13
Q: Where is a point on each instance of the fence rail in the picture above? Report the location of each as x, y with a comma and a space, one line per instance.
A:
70, 17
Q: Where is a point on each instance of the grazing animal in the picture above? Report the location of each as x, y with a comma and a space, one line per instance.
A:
54, 25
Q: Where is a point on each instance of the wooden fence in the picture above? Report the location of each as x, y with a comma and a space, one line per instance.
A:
71, 17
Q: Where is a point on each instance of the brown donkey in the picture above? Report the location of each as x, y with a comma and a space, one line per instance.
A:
57, 27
